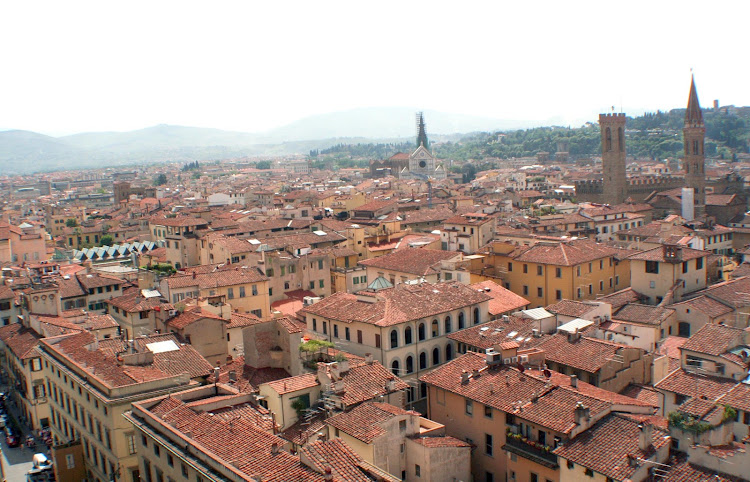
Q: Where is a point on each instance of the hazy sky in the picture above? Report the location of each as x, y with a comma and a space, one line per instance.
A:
72, 66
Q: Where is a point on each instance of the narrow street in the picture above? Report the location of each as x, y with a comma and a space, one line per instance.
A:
16, 461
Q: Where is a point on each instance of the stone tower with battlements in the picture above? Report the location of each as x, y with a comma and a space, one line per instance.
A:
693, 164
613, 158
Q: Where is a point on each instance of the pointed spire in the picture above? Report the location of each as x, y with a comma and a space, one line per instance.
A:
421, 134
693, 114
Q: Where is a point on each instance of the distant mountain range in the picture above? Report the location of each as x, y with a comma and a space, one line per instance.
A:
23, 152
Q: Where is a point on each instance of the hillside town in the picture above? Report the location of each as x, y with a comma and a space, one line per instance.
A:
551, 319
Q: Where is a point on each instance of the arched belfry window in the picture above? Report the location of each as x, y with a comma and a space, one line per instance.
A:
695, 147
608, 138
621, 139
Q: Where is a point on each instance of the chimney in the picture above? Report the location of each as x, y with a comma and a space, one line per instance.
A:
464, 377
274, 448
574, 381
368, 358
340, 368
194, 275
581, 413
645, 435
328, 477
475, 373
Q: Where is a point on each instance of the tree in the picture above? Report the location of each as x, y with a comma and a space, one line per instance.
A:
468, 173
107, 240
71, 223
263, 165
160, 180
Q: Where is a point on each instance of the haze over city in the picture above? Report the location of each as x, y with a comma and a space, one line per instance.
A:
97, 66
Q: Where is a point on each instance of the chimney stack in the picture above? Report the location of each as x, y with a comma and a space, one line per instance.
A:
581, 413
645, 436
574, 381
274, 448
328, 477
464, 377
368, 358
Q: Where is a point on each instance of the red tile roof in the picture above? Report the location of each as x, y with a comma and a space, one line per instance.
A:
364, 422
568, 253
402, 303
689, 384
344, 463
714, 339
21, 341
417, 261
503, 300
587, 354
605, 447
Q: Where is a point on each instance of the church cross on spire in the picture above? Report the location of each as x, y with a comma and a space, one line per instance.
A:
421, 134
693, 114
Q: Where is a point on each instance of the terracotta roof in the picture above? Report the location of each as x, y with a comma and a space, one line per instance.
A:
491, 333
735, 293
364, 422
689, 384
401, 303
238, 442
418, 261
344, 463
241, 320
605, 447
709, 306
178, 222
680, 470
658, 254
738, 397
367, 381
21, 341
621, 298
714, 339
506, 389
293, 384
643, 393
572, 308
568, 253
503, 300
587, 354
247, 378
645, 314
101, 362
439, 442
223, 277
190, 316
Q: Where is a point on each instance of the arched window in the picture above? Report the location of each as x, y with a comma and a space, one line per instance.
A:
422, 361
435, 328
449, 352
620, 139
695, 147
409, 364
394, 339
476, 316
448, 325
608, 138
436, 356
421, 332
394, 367
407, 336
461, 325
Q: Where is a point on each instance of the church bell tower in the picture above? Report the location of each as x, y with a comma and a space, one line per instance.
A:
693, 164
613, 157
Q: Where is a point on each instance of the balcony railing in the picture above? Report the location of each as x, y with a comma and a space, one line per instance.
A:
531, 451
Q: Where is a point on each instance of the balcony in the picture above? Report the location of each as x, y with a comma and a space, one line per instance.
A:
531, 450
